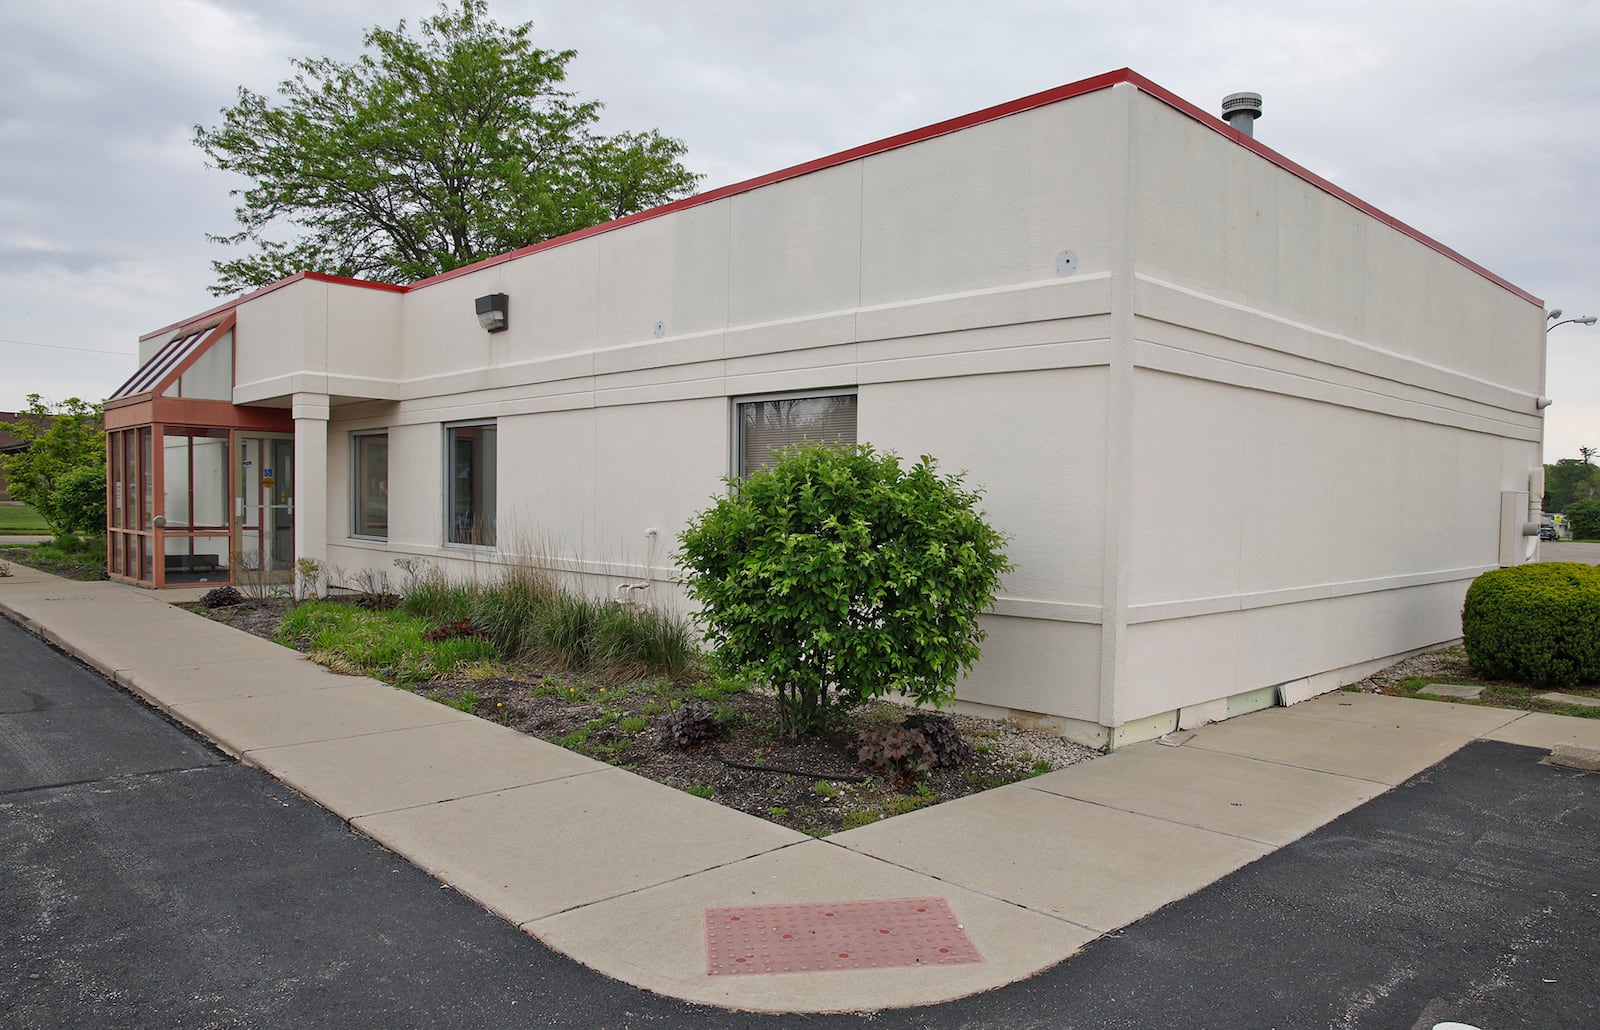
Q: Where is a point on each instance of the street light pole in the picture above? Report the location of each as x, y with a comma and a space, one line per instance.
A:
1580, 320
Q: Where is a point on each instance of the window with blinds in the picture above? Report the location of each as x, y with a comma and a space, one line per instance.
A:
370, 507
767, 425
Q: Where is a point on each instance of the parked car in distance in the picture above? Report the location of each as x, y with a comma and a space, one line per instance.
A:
1547, 527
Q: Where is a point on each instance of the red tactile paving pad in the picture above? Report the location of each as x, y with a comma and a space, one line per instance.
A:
841, 935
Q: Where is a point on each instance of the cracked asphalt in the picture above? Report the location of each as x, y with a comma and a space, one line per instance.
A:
148, 880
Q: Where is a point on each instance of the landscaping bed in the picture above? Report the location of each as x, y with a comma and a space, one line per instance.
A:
1411, 677
83, 560
814, 784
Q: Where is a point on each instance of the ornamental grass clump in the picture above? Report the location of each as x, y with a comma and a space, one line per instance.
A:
836, 575
1536, 624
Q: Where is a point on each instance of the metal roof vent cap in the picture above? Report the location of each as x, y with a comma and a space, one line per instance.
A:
1241, 110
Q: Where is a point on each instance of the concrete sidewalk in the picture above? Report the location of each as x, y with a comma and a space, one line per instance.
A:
618, 871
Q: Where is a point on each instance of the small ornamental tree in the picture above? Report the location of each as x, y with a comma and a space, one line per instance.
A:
79, 502
61, 438
835, 575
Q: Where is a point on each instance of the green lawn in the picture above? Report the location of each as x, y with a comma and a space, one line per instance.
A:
21, 520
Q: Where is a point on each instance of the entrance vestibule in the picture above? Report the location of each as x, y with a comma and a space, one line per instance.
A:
198, 490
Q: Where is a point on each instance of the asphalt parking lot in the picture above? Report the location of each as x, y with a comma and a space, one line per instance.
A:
152, 881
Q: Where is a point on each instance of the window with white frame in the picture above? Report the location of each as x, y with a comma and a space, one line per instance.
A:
765, 425
470, 484
369, 505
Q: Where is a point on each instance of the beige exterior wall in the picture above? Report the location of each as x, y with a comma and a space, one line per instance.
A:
1323, 414
1256, 435
318, 338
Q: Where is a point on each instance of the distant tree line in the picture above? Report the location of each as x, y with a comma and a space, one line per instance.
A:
1572, 487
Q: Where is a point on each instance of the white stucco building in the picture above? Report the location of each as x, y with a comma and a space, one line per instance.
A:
1250, 436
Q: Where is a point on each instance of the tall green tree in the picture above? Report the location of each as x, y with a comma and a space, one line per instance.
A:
1570, 480
66, 442
427, 153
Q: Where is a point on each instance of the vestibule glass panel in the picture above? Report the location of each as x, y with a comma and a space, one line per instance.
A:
195, 470
211, 376
265, 517
130, 503
118, 478
147, 477
196, 558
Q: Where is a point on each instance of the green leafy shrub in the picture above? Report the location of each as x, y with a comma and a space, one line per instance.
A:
60, 440
836, 576
949, 749
79, 501
1537, 624
689, 725
1585, 519
899, 753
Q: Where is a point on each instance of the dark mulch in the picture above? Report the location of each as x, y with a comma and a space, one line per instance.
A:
814, 784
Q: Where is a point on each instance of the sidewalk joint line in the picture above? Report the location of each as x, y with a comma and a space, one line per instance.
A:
441, 801
1178, 822
525, 924
178, 713
1307, 768
980, 892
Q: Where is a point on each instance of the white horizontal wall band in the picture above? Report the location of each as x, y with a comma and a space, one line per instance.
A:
631, 388
1020, 315
1043, 300
1183, 338
1161, 611
1012, 607
1193, 365
1052, 611
1168, 302
1017, 359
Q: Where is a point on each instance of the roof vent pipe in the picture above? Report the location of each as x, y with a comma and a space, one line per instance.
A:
1241, 110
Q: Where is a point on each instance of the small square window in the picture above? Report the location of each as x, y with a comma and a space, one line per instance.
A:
766, 425
370, 503
470, 487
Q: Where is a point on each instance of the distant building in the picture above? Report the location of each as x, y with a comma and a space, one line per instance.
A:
1250, 436
9, 444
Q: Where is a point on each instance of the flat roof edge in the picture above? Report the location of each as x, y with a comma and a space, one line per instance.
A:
988, 114
318, 277
1250, 143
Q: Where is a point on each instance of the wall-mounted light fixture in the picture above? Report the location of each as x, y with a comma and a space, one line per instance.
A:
492, 312
1541, 403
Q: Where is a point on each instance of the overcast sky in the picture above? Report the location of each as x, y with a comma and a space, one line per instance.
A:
1478, 123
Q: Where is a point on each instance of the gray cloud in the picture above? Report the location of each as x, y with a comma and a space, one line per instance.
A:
1462, 119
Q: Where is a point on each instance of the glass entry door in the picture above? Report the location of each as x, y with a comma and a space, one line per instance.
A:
264, 505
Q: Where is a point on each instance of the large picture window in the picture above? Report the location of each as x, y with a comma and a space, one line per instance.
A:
370, 504
766, 425
470, 492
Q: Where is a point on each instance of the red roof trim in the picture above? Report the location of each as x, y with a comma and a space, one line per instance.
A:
904, 139
319, 277
1216, 124
949, 125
